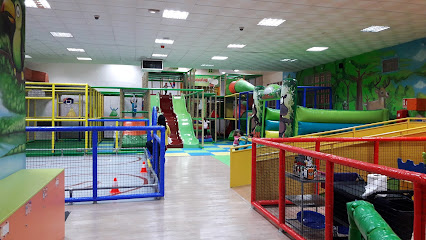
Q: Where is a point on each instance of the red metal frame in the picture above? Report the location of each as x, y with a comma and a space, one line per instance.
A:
418, 179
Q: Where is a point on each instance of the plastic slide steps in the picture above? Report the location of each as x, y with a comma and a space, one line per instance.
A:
166, 105
186, 128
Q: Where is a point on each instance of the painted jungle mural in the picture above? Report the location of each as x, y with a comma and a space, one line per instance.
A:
378, 79
12, 90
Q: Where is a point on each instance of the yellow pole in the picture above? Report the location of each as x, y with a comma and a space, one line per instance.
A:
79, 106
116, 137
86, 115
53, 116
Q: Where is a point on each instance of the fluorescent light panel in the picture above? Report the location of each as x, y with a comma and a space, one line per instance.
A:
207, 65
219, 58
37, 4
173, 14
375, 29
159, 55
271, 22
61, 34
164, 41
84, 58
28, 56
236, 45
76, 49
288, 60
316, 49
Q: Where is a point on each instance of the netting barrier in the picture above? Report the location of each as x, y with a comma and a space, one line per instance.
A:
103, 171
304, 185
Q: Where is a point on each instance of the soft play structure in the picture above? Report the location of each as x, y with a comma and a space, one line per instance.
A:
366, 223
134, 138
309, 120
292, 120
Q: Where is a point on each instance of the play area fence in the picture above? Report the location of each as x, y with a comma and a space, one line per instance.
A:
101, 172
303, 185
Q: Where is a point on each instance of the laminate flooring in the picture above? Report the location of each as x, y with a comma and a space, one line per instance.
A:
198, 205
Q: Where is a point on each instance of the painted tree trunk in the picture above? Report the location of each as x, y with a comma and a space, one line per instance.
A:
359, 101
256, 125
288, 107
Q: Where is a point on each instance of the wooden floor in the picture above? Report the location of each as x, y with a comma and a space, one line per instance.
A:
198, 205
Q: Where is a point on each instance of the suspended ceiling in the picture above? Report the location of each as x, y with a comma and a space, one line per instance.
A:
126, 31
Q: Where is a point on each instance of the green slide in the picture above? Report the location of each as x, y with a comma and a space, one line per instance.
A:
186, 128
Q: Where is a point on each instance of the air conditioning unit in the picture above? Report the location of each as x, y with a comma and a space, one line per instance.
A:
152, 65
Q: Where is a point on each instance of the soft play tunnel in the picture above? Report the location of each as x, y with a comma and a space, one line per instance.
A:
272, 123
309, 120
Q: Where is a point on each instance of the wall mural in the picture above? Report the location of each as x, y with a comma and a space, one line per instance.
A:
378, 79
12, 91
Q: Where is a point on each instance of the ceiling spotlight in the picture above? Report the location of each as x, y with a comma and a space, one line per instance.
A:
153, 11
159, 55
207, 65
75, 49
375, 29
175, 14
288, 60
271, 22
219, 58
84, 58
61, 34
37, 4
316, 49
236, 45
164, 41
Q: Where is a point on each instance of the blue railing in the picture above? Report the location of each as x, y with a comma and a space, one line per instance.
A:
156, 161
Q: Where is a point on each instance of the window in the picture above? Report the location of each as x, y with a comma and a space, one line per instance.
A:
322, 96
390, 65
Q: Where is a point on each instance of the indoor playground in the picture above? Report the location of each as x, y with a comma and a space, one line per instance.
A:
193, 120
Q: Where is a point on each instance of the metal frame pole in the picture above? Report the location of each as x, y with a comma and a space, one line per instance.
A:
95, 165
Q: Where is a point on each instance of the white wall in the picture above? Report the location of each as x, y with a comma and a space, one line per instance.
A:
108, 75
272, 77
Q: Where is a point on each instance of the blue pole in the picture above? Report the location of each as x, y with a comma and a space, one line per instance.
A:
95, 164
277, 104
162, 160
154, 152
247, 116
331, 99
239, 111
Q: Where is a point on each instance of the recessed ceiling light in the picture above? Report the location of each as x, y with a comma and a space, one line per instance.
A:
219, 58
75, 49
288, 60
37, 4
61, 34
84, 58
236, 70
175, 14
207, 65
236, 45
271, 22
164, 41
375, 29
316, 49
159, 55
153, 10
28, 56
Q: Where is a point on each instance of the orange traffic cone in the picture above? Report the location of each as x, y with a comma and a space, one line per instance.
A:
114, 189
143, 169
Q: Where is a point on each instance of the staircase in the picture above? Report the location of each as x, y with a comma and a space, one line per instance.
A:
166, 106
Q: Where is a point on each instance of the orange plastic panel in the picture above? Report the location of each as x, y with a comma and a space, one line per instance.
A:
415, 104
41, 218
